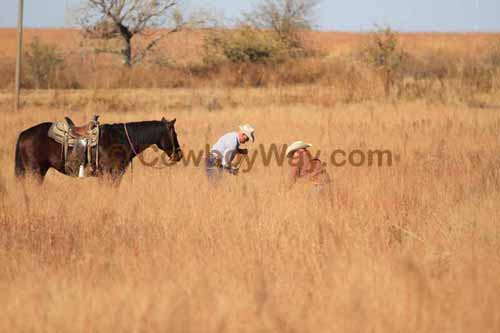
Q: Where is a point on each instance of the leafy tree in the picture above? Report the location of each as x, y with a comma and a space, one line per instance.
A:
284, 17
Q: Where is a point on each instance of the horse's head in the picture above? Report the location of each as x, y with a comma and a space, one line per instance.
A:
168, 141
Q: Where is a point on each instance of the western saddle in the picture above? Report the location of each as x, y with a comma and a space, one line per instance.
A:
84, 130
81, 140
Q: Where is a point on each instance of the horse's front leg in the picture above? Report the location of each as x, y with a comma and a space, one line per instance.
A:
116, 179
112, 176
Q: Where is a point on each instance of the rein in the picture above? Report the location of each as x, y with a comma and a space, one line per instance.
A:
128, 138
171, 135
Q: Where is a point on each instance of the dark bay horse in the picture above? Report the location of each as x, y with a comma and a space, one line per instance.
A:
36, 152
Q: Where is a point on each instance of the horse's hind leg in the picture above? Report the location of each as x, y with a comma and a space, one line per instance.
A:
38, 173
42, 172
29, 165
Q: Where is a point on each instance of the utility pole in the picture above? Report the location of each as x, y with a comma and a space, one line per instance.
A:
19, 51
476, 26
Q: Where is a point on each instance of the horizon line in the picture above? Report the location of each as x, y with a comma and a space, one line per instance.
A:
361, 31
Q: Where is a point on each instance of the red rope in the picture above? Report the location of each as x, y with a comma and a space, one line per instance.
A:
129, 141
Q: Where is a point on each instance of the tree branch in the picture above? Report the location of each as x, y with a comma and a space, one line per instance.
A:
109, 19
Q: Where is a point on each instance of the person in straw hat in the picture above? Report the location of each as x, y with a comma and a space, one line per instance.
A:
304, 167
225, 149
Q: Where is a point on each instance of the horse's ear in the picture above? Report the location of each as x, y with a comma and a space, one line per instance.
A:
163, 120
173, 121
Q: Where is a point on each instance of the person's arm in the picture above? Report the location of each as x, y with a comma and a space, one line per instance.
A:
306, 161
294, 172
320, 174
231, 170
231, 148
226, 162
242, 151
227, 157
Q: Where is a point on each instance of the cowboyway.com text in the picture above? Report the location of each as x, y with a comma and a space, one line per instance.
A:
276, 154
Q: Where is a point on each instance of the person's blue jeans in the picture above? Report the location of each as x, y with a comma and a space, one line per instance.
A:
213, 169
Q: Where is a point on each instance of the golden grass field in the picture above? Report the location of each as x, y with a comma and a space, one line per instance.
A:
410, 248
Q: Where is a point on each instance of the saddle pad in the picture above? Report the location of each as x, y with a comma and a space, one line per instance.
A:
59, 131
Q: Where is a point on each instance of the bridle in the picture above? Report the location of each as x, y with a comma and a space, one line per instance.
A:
129, 140
171, 135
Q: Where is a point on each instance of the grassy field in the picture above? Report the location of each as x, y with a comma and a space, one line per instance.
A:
458, 64
410, 248
329, 42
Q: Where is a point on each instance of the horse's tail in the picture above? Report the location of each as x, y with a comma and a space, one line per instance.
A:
20, 170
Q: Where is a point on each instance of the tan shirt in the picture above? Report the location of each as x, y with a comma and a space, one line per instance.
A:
303, 166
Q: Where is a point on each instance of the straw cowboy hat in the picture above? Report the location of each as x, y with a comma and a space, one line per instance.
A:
248, 130
293, 147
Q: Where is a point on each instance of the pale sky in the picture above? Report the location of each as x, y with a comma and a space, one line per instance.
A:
344, 15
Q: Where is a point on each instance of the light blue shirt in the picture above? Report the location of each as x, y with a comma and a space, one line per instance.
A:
226, 147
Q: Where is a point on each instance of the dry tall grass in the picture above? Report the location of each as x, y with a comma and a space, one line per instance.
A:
413, 247
187, 44
437, 67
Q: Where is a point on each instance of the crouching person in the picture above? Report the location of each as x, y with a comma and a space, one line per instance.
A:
305, 168
223, 152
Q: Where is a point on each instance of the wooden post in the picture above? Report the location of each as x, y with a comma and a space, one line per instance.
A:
19, 52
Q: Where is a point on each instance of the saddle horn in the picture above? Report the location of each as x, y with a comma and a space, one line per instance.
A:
70, 122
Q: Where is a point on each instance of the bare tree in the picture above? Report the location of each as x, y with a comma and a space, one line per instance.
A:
284, 17
124, 19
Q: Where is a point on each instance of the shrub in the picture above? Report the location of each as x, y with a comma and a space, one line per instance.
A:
493, 55
477, 75
383, 53
437, 65
42, 62
243, 45
7, 71
494, 61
